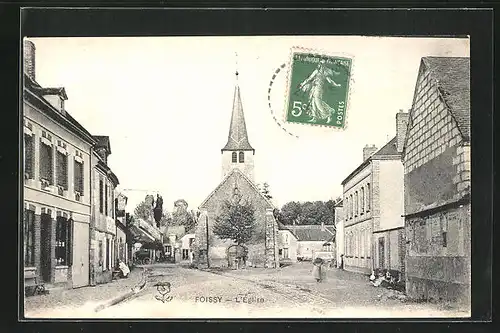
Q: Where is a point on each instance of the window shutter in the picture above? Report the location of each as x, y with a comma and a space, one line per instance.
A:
69, 241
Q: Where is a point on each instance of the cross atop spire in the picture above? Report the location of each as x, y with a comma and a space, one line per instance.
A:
238, 137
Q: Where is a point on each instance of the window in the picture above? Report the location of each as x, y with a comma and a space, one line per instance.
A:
63, 241
347, 208
29, 157
101, 201
46, 160
356, 204
29, 238
362, 200
242, 157
368, 197
79, 177
113, 201
101, 256
108, 253
106, 200
234, 157
62, 170
185, 254
351, 207
285, 254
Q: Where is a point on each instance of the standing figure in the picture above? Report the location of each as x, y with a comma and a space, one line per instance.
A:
314, 86
318, 269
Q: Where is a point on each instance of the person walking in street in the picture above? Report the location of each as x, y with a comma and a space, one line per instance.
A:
318, 269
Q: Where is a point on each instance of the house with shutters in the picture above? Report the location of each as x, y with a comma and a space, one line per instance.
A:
57, 153
437, 173
237, 184
103, 225
373, 209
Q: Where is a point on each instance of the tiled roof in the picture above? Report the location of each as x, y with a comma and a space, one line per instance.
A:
389, 149
238, 137
39, 101
452, 75
103, 141
313, 233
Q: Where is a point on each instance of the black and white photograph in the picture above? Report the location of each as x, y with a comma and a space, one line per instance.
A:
204, 177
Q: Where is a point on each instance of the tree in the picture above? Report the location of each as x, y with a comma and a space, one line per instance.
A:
316, 212
265, 191
291, 213
236, 222
181, 216
144, 211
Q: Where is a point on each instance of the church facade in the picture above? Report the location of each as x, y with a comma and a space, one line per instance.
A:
237, 182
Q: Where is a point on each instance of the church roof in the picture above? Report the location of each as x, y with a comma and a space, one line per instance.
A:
238, 137
242, 175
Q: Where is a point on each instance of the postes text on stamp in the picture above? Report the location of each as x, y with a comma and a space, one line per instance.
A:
318, 89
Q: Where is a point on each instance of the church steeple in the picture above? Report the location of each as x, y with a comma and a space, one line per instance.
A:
237, 153
238, 138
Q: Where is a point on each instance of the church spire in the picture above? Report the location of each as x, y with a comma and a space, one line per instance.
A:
238, 137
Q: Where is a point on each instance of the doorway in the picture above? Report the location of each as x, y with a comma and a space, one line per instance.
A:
45, 248
381, 252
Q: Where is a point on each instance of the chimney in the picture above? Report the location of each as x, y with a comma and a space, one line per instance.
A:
29, 58
368, 151
401, 127
322, 226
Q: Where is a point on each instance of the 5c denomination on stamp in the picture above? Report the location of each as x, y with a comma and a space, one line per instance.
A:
318, 89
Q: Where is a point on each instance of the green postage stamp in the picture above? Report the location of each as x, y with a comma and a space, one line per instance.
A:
318, 89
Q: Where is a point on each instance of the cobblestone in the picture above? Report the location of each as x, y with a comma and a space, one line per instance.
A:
247, 293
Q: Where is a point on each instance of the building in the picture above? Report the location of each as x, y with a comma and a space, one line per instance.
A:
57, 193
287, 244
122, 233
339, 232
373, 199
312, 239
103, 226
237, 184
437, 170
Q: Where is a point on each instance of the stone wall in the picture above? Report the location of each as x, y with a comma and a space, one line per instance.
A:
439, 255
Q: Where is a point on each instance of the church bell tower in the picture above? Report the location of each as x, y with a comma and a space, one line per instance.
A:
238, 153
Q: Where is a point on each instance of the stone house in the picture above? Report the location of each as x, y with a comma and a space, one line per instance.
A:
103, 225
339, 231
122, 233
312, 239
237, 184
437, 170
373, 208
287, 244
57, 170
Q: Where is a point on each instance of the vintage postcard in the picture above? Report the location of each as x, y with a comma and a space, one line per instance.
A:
246, 177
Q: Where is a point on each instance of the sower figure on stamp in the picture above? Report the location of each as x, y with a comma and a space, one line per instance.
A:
314, 85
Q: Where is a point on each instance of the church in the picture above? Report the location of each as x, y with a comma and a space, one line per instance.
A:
237, 182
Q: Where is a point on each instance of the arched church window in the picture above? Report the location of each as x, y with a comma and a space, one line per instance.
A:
242, 157
234, 157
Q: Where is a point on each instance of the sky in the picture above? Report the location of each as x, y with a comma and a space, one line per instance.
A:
165, 103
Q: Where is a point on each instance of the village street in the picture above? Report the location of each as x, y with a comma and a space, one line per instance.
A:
287, 292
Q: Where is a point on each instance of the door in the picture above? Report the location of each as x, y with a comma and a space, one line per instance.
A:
381, 252
45, 248
80, 268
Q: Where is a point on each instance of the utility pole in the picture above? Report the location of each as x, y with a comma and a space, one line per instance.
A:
208, 258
